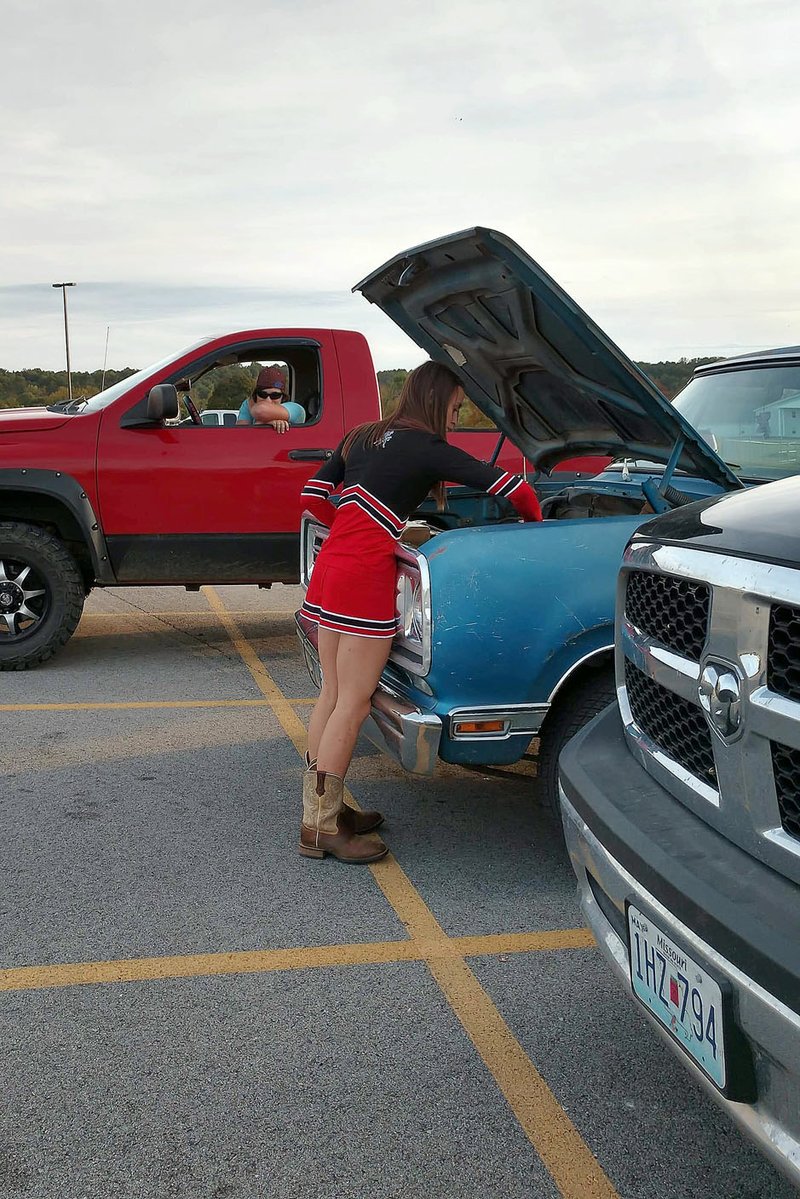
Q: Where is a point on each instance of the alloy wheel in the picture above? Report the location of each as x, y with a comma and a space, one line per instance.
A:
23, 599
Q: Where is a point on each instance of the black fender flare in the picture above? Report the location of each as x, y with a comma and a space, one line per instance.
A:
67, 491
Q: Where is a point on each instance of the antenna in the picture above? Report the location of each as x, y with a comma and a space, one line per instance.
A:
105, 360
64, 287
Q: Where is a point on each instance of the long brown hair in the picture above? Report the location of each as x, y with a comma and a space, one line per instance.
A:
423, 402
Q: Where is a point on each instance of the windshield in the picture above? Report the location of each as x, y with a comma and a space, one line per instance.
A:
104, 398
750, 417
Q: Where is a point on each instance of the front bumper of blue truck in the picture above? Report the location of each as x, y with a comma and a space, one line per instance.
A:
416, 735
395, 725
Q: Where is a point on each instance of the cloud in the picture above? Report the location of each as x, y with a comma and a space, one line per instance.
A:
147, 322
646, 155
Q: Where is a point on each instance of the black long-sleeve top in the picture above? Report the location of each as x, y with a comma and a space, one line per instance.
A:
392, 478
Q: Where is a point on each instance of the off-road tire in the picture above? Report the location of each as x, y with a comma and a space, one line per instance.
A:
572, 709
65, 593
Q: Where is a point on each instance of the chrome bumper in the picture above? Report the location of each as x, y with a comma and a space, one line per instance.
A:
394, 725
771, 1028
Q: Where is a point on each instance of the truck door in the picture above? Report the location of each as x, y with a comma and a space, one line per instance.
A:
191, 502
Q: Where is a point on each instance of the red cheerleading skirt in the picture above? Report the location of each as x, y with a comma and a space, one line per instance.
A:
353, 585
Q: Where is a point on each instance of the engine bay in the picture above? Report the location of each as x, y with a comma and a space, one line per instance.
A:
471, 509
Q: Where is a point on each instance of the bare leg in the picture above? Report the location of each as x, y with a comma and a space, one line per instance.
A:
327, 647
359, 662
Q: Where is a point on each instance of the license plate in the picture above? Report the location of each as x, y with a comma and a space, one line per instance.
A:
679, 993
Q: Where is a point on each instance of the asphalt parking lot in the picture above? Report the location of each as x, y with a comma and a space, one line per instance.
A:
189, 1008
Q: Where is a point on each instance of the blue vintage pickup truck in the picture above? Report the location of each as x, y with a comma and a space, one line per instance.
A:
506, 630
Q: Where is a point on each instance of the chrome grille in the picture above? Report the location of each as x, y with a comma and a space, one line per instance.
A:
674, 611
783, 671
786, 765
741, 616
677, 726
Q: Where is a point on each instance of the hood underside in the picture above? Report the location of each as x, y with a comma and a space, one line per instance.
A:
529, 357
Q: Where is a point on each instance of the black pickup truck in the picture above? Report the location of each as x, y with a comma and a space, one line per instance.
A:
681, 803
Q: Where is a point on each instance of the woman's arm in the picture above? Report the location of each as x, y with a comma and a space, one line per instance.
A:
455, 466
524, 499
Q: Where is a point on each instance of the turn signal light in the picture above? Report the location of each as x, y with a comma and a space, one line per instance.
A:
479, 726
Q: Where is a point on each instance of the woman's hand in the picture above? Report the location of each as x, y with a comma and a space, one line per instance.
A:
280, 426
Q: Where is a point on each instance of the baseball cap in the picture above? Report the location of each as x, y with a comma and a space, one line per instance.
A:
271, 378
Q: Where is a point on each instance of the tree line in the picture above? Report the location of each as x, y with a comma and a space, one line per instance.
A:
669, 377
229, 386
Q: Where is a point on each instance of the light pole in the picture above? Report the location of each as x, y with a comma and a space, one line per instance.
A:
64, 287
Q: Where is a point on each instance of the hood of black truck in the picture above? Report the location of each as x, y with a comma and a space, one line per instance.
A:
760, 522
529, 357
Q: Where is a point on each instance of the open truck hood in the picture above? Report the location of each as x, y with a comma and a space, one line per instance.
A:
530, 358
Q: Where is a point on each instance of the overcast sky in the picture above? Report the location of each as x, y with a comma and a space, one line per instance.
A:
200, 167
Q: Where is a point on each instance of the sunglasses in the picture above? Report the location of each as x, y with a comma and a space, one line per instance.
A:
264, 393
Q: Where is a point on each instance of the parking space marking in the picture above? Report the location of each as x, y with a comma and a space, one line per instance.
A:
292, 725
262, 961
570, 1161
500, 943
183, 613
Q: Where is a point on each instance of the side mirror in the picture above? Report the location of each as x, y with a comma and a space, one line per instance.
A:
162, 402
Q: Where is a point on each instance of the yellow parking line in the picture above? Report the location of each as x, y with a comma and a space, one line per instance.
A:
573, 1166
186, 613
258, 961
547, 939
198, 965
133, 705
292, 725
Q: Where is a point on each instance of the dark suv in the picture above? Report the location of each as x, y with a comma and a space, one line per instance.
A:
681, 804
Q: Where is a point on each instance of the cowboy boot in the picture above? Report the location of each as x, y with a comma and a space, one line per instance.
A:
323, 830
355, 821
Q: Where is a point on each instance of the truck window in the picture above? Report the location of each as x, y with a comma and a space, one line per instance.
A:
219, 386
751, 417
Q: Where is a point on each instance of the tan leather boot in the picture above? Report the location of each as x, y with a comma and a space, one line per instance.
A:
355, 822
323, 829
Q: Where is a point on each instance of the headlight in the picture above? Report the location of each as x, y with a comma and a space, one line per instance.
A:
411, 647
409, 604
312, 536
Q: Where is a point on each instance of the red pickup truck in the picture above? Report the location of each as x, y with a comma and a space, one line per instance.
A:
108, 492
